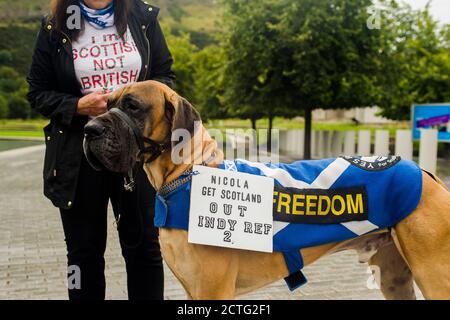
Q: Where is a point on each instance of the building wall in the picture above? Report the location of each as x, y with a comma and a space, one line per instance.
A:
363, 115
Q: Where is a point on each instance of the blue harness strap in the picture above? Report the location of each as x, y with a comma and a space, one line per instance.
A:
161, 210
172, 210
294, 263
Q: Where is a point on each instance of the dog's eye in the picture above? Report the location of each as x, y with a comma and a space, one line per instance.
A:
132, 106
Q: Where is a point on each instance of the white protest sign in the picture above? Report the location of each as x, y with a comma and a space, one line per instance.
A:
231, 209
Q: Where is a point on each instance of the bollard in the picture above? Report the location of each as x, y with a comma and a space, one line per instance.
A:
404, 144
240, 143
349, 143
336, 143
299, 142
218, 136
283, 140
314, 141
428, 150
231, 139
230, 145
327, 136
293, 142
320, 144
381, 143
251, 136
290, 141
364, 143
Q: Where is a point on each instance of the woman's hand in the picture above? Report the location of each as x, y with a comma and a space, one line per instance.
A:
93, 104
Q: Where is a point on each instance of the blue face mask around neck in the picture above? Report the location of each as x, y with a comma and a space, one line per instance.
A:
99, 19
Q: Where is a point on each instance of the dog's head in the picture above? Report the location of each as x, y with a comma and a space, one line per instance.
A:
155, 110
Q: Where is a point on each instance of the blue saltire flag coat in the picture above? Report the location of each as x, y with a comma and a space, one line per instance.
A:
392, 188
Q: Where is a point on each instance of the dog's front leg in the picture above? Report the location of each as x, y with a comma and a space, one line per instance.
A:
205, 272
218, 290
213, 275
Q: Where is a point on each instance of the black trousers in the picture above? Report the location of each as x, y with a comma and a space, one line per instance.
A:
85, 229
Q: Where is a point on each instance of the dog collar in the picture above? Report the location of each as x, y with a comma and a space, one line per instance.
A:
184, 178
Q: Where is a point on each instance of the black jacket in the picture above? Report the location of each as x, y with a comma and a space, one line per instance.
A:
54, 92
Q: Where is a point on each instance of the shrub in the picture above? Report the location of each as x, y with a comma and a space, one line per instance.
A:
19, 108
4, 109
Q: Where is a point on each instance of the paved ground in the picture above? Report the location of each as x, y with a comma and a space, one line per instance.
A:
33, 261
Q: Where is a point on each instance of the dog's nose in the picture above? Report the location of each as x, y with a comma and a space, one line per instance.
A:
94, 129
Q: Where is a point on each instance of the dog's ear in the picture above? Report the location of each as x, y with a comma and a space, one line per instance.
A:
114, 98
185, 115
181, 114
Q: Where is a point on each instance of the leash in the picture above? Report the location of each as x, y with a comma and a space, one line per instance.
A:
155, 149
118, 222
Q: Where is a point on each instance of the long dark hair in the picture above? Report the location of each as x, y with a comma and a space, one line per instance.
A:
58, 16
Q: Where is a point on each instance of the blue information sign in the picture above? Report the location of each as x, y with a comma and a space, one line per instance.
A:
431, 116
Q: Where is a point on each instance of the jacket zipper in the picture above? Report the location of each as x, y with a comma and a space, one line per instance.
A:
147, 63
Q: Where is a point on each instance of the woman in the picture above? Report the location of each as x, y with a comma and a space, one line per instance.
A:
74, 70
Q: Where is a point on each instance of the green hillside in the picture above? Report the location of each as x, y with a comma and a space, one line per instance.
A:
193, 16
22, 9
19, 24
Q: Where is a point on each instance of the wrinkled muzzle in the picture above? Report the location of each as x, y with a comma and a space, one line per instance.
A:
108, 144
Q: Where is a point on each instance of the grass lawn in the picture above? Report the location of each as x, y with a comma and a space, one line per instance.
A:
33, 128
22, 128
25, 134
286, 124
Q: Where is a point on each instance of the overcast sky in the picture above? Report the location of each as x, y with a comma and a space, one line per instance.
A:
440, 9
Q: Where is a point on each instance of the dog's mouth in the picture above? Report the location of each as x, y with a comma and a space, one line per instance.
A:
90, 157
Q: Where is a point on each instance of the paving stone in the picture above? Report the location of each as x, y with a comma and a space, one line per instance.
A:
33, 256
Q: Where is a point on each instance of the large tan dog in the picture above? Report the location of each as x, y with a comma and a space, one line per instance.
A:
418, 248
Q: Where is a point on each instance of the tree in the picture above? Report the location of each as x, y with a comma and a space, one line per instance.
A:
254, 75
183, 51
19, 108
18, 40
418, 66
13, 89
209, 83
287, 57
176, 12
210, 88
5, 57
10, 80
